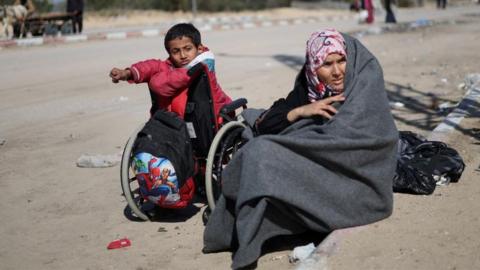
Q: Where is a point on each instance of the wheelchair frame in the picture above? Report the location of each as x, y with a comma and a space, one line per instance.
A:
222, 148
223, 142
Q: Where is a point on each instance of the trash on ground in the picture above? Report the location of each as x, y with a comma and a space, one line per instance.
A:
301, 253
444, 80
396, 105
119, 243
2, 141
420, 22
446, 105
441, 180
98, 161
472, 80
422, 164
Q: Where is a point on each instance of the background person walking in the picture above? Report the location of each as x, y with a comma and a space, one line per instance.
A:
390, 17
441, 4
76, 8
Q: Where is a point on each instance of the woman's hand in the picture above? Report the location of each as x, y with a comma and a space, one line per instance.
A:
120, 74
321, 107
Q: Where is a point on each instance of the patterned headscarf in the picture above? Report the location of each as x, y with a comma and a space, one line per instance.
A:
319, 46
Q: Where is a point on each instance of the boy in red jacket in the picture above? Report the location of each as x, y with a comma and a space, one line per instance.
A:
167, 79
168, 83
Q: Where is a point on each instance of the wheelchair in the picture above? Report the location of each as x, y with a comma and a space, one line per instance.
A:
212, 150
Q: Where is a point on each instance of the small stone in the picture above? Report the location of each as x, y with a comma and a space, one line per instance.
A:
70, 137
277, 258
396, 105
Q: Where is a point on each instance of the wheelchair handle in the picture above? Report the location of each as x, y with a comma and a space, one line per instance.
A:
232, 106
196, 69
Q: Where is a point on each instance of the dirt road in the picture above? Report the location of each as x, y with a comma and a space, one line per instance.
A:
57, 103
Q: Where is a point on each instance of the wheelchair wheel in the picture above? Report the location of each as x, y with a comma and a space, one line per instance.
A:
129, 183
226, 142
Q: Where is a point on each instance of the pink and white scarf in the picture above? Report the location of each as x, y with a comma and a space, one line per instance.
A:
319, 46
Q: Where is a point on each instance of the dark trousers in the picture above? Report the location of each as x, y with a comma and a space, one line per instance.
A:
77, 21
441, 4
390, 18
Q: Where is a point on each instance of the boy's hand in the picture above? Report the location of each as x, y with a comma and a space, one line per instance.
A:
120, 74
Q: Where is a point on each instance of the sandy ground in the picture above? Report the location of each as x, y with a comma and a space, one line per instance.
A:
57, 103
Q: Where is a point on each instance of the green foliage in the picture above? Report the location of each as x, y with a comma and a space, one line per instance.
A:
42, 5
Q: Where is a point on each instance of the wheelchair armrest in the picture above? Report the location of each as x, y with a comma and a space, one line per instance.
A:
232, 106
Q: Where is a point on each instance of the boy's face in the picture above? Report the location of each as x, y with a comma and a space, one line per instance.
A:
182, 51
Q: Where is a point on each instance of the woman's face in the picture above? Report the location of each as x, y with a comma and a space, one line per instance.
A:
332, 72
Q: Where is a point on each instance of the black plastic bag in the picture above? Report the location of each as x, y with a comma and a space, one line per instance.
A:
421, 163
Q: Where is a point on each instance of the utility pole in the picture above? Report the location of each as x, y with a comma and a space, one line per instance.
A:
194, 8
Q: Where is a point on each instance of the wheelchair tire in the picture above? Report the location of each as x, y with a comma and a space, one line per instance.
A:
127, 179
215, 158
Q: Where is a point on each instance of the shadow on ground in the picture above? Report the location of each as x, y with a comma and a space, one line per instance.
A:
158, 214
292, 61
423, 110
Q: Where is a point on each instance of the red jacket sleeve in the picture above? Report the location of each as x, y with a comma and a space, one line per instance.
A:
162, 78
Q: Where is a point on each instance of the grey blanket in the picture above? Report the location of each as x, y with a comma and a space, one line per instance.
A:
311, 176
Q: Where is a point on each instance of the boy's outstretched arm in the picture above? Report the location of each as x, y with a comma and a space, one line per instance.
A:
120, 75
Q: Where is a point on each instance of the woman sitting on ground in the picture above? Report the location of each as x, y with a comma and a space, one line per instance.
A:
324, 160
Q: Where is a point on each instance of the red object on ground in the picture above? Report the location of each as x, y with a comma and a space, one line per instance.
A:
120, 243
